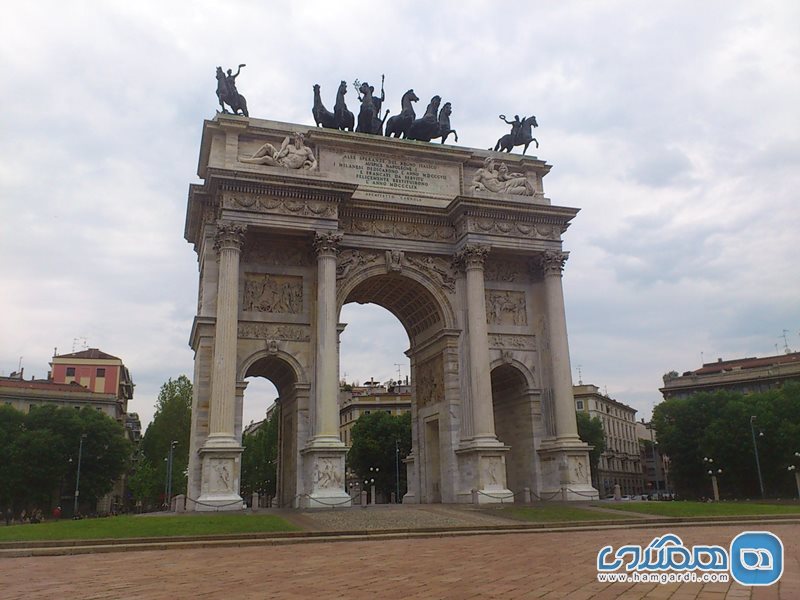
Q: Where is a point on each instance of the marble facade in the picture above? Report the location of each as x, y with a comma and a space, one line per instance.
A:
473, 276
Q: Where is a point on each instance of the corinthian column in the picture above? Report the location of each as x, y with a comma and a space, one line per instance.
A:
552, 265
228, 243
473, 257
326, 413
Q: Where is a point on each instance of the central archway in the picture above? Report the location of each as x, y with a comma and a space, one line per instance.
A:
426, 316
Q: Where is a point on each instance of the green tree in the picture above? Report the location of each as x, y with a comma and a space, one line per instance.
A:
41, 449
11, 426
590, 430
259, 459
717, 426
376, 437
172, 422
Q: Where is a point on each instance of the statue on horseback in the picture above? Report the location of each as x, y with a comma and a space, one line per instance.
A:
227, 92
369, 117
340, 118
430, 126
520, 134
399, 125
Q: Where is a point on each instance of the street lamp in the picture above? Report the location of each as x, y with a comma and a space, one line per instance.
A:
168, 489
791, 468
713, 473
78, 477
397, 470
755, 449
371, 481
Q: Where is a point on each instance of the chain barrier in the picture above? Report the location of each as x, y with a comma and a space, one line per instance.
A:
217, 506
584, 494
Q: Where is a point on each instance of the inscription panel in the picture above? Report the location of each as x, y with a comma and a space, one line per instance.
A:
402, 175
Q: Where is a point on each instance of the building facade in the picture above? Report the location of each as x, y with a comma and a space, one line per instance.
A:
655, 465
744, 375
369, 398
620, 463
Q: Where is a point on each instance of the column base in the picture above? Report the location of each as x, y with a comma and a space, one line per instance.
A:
219, 487
483, 473
566, 474
323, 475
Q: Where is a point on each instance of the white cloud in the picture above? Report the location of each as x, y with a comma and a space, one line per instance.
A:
674, 127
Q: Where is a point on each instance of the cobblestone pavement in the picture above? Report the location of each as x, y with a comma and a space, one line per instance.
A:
520, 565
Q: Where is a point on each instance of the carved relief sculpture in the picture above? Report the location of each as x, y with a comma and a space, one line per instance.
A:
273, 293
292, 154
504, 307
352, 259
430, 381
499, 180
436, 267
262, 331
326, 475
394, 260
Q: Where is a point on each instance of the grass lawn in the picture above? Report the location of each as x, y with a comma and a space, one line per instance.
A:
543, 514
704, 509
145, 526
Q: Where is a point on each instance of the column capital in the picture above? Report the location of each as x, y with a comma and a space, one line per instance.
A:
472, 256
229, 235
552, 261
326, 243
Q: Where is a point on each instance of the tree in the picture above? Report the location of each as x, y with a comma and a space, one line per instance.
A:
40, 455
590, 430
172, 422
376, 437
259, 459
718, 426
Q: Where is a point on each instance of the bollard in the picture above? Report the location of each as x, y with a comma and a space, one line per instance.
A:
180, 503
526, 495
254, 501
364, 498
475, 498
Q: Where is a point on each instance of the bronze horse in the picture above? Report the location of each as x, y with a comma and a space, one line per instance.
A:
399, 125
522, 138
230, 96
344, 118
429, 126
322, 116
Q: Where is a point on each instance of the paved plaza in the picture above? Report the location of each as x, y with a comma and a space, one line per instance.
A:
516, 565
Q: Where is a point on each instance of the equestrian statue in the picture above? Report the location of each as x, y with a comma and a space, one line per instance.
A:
399, 125
369, 117
228, 94
430, 127
340, 118
520, 134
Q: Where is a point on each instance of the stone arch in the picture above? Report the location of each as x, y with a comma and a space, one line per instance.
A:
290, 379
432, 310
425, 312
514, 403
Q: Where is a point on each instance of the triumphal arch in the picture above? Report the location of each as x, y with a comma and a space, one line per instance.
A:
461, 245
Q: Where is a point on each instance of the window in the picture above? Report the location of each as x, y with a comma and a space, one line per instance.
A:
70, 371
101, 372
580, 404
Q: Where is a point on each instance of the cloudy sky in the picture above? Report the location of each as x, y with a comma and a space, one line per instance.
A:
674, 126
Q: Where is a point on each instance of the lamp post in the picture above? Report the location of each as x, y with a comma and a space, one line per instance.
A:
397, 470
168, 491
793, 468
713, 474
78, 477
373, 471
755, 449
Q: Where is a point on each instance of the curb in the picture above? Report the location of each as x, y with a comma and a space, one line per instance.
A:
74, 547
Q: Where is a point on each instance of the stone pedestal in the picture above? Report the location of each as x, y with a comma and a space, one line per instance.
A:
220, 485
483, 472
566, 474
412, 483
324, 472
